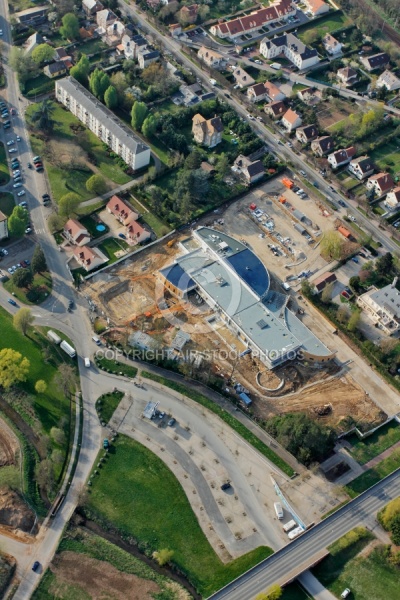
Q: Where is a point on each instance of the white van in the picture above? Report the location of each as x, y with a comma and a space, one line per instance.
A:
96, 340
278, 510
289, 525
295, 533
87, 363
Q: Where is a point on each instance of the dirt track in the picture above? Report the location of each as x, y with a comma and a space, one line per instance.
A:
9, 445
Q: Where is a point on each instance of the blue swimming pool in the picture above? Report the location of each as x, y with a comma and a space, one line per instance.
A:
100, 227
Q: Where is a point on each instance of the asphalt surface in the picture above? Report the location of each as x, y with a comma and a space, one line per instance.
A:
277, 567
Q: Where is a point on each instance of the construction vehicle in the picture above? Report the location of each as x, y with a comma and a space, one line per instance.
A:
287, 183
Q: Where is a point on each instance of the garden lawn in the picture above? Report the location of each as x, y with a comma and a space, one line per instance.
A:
368, 576
7, 203
387, 156
110, 246
328, 24
91, 225
116, 367
136, 493
225, 416
375, 444
38, 85
41, 288
366, 480
107, 404
4, 171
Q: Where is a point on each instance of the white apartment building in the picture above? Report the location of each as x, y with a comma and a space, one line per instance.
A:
3, 226
102, 122
293, 48
383, 307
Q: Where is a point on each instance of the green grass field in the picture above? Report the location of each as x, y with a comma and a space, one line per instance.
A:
91, 224
111, 246
225, 416
387, 156
328, 24
368, 576
38, 86
375, 444
7, 203
93, 546
107, 404
116, 367
64, 179
38, 291
140, 496
363, 482
4, 170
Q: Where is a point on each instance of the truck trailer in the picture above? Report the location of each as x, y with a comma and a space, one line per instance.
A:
53, 337
68, 349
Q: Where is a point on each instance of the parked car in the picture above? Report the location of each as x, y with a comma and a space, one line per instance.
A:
28, 230
226, 485
24, 204
18, 138
346, 593
122, 236
17, 185
36, 158
10, 142
171, 422
355, 259
12, 150
21, 193
11, 301
29, 166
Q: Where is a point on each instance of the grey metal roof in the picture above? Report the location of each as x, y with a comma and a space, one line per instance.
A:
125, 135
389, 298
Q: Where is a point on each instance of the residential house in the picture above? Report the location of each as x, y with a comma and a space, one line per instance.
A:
307, 95
248, 169
381, 183
316, 7
331, 45
189, 13
207, 133
242, 78
210, 57
291, 120
322, 145
105, 18
89, 258
121, 211
32, 16
307, 134
113, 33
175, 30
383, 307
347, 76
388, 80
76, 233
376, 61
273, 92
147, 56
393, 198
103, 123
257, 92
275, 110
131, 45
323, 280
55, 69
136, 234
361, 167
33, 41
61, 54
3, 226
293, 48
91, 7
252, 22
341, 157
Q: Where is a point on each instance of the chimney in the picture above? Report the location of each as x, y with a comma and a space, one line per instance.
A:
394, 282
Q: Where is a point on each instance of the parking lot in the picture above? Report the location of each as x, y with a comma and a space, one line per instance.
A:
21, 250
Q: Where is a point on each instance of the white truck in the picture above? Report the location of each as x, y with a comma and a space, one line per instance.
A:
53, 337
295, 533
278, 510
68, 349
275, 66
289, 525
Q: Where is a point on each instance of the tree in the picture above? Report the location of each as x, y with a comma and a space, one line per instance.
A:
311, 36
163, 556
384, 265
307, 289
193, 160
65, 378
58, 435
332, 246
223, 165
149, 126
22, 64
388, 346
138, 115
70, 27
326, 294
204, 11
44, 475
55, 222
18, 221
57, 457
273, 593
391, 510
40, 386
38, 263
96, 184
42, 53
23, 319
81, 70
42, 116
68, 204
22, 278
111, 97
354, 320
13, 367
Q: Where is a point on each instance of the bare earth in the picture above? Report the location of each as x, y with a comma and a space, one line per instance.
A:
9, 445
98, 579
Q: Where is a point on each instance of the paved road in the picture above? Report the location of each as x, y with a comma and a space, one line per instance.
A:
276, 568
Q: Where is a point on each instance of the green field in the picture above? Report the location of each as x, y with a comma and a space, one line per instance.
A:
64, 179
328, 24
4, 170
363, 482
116, 367
148, 504
111, 246
387, 156
375, 444
107, 404
38, 86
7, 203
87, 544
225, 416
157, 225
37, 292
368, 576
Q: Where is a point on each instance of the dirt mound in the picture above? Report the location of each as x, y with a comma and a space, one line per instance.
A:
9, 445
14, 512
98, 579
